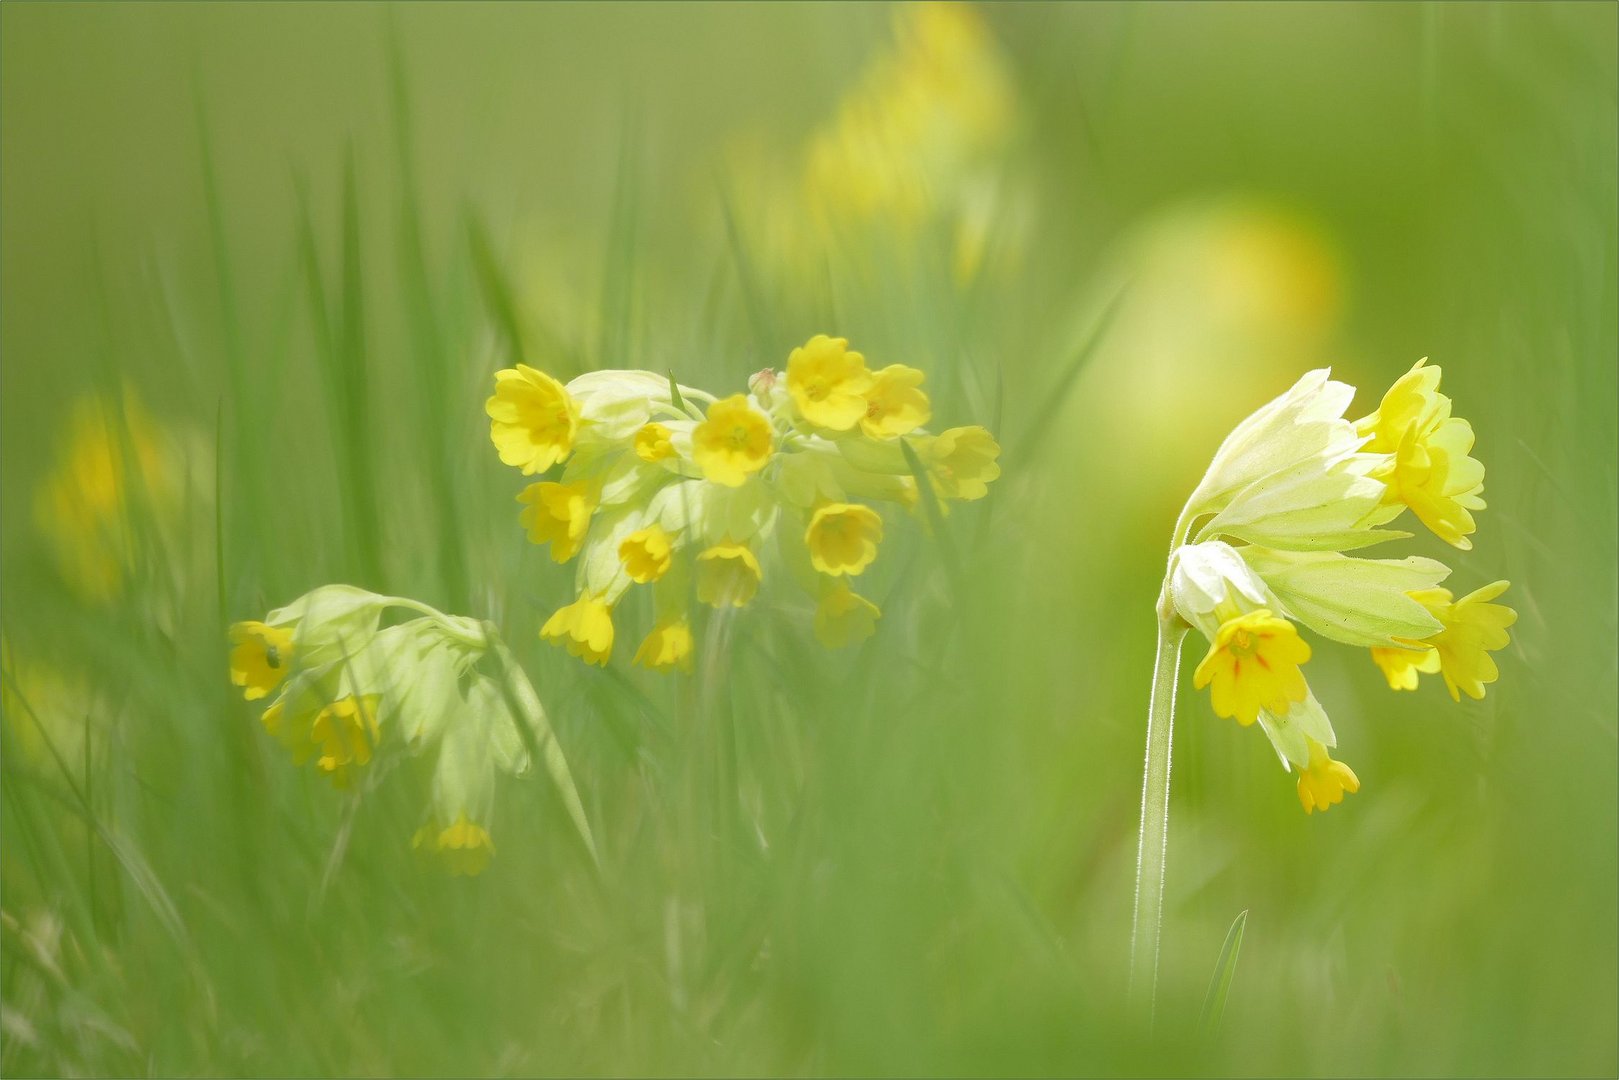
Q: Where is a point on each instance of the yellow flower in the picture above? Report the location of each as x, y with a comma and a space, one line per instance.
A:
557, 514
1429, 469
961, 462
652, 443
896, 404
844, 617
646, 554
259, 658
828, 383
1254, 664
1325, 781
843, 538
727, 573
533, 419
1401, 666
1474, 628
465, 846
668, 646
734, 441
344, 733
585, 627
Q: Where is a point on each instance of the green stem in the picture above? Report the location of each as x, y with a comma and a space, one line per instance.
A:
1153, 842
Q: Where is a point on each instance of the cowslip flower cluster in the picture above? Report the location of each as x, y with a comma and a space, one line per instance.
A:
692, 496
344, 692
1294, 487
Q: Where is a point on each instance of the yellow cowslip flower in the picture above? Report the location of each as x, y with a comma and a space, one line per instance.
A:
584, 627
652, 443
667, 647
1401, 666
843, 618
1324, 781
465, 847
557, 514
259, 658
533, 419
292, 732
1429, 468
828, 383
1473, 628
727, 574
733, 442
1253, 664
646, 554
961, 462
345, 733
842, 538
895, 404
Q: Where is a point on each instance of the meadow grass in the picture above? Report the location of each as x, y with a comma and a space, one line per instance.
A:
306, 238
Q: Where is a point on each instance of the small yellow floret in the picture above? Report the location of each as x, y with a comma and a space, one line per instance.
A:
1253, 664
557, 514
845, 618
1401, 666
667, 647
465, 846
1325, 781
843, 538
896, 404
345, 734
828, 383
961, 462
1474, 628
646, 554
733, 442
727, 573
259, 658
533, 419
652, 443
584, 628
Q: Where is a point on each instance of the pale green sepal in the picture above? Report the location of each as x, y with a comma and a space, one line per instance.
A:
601, 571
1290, 732
1356, 601
614, 403
1307, 507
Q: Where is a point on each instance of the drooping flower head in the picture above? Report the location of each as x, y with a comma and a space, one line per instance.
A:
1261, 553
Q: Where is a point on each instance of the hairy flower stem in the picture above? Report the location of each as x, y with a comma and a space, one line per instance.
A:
1153, 842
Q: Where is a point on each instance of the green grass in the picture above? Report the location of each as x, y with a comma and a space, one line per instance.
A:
308, 236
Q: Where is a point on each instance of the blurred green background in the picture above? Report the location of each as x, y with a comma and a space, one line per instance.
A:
304, 236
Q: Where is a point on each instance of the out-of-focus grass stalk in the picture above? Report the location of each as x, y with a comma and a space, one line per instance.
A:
1152, 843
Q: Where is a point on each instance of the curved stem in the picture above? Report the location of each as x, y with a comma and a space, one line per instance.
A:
1153, 842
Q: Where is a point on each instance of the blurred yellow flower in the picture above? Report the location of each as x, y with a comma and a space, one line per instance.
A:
464, 847
557, 514
115, 465
652, 443
1402, 666
1324, 781
961, 462
345, 733
584, 627
895, 403
828, 383
260, 657
533, 419
667, 647
843, 618
646, 554
733, 443
1253, 664
842, 538
727, 574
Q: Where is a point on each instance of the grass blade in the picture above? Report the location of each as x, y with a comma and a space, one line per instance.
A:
1224, 968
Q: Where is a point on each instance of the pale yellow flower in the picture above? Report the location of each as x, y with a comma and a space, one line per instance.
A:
727, 574
260, 657
961, 462
667, 647
842, 538
584, 628
828, 383
557, 514
1474, 628
895, 404
465, 846
1253, 664
646, 554
345, 734
844, 618
733, 442
1323, 782
533, 419
652, 443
